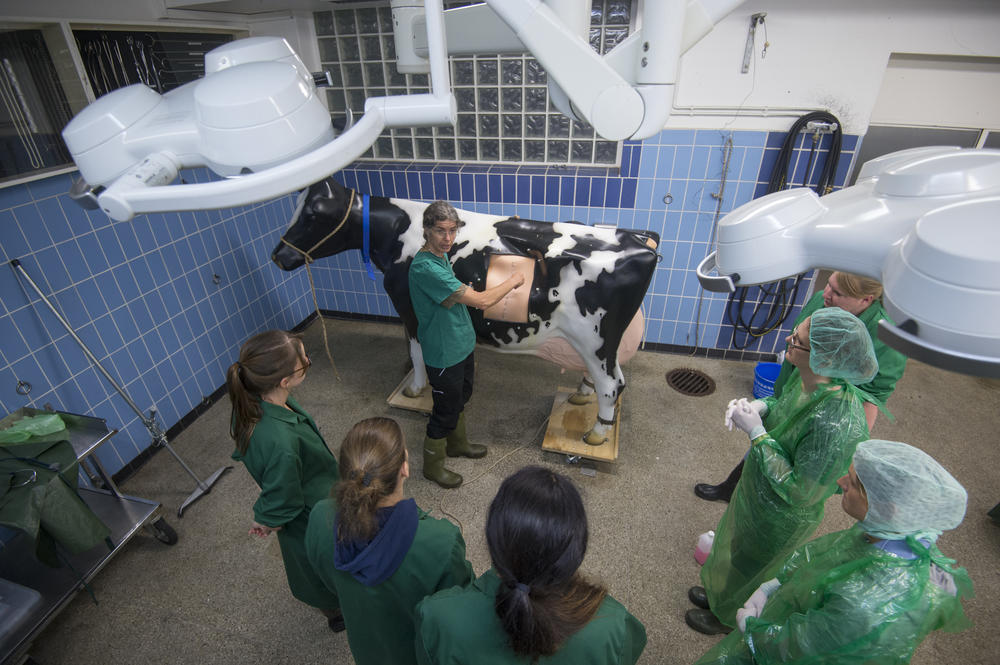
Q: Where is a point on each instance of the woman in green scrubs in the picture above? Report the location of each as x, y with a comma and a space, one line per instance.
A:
533, 605
281, 447
377, 550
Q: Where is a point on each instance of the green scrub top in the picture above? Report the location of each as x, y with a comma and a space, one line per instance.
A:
789, 473
891, 362
461, 626
379, 618
445, 333
843, 600
294, 469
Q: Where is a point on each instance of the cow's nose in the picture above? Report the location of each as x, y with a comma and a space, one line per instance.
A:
285, 258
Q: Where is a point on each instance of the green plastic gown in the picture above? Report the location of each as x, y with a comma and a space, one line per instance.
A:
461, 626
380, 618
788, 475
844, 601
891, 362
294, 469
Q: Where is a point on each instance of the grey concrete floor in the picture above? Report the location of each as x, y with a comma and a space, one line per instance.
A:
220, 595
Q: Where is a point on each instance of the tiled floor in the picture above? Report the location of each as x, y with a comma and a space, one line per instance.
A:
219, 596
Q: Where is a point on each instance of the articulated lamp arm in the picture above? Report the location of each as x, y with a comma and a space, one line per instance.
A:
923, 222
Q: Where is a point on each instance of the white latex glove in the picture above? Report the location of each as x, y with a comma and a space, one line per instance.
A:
755, 603
746, 418
729, 413
759, 406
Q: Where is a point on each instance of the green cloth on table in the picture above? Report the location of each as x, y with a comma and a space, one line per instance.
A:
48, 508
843, 600
294, 469
788, 475
445, 334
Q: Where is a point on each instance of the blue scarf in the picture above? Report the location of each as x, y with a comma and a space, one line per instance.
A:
375, 561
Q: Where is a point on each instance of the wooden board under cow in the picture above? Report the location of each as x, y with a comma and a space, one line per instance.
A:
588, 282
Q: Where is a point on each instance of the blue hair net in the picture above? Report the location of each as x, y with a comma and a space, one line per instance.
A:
909, 493
841, 347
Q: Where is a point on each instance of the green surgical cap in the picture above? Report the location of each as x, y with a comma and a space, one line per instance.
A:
909, 493
841, 347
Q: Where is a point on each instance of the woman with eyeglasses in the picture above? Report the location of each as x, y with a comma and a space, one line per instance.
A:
862, 297
797, 453
281, 447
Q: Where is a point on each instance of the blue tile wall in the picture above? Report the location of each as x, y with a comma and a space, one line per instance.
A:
163, 301
667, 183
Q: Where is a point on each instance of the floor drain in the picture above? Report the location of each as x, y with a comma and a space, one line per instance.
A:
690, 382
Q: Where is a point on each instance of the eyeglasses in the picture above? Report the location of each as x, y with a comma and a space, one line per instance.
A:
443, 233
302, 370
794, 344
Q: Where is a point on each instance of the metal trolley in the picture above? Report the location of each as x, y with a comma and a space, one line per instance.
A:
32, 594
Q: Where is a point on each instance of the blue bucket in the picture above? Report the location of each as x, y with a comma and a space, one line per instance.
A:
764, 376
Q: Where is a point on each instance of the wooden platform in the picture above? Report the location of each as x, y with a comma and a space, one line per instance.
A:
423, 404
567, 425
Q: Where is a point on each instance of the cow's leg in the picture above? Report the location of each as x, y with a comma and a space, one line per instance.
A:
607, 387
419, 381
585, 393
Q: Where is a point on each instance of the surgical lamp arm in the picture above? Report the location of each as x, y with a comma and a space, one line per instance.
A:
627, 93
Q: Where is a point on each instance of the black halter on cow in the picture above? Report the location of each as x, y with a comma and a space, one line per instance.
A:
586, 289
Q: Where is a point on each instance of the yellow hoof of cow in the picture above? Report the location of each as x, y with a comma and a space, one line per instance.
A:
411, 393
579, 399
591, 438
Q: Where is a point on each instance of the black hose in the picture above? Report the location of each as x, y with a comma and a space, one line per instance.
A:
775, 301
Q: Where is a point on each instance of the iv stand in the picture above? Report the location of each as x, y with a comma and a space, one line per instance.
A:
159, 436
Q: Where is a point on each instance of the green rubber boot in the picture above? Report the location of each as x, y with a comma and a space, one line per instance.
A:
458, 442
434, 458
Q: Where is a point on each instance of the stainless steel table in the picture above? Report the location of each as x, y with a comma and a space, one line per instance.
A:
124, 515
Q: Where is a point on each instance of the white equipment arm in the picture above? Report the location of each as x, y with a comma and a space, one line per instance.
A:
255, 117
922, 221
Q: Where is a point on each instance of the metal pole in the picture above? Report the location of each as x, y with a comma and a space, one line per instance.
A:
159, 436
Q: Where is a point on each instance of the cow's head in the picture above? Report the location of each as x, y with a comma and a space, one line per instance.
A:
321, 208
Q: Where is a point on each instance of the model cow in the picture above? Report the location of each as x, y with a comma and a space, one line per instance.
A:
586, 287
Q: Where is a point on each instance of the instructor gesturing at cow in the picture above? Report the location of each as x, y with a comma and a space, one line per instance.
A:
448, 340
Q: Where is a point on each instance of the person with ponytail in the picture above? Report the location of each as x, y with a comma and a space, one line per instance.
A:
282, 449
376, 550
533, 605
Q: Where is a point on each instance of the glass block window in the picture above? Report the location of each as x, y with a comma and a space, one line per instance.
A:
504, 113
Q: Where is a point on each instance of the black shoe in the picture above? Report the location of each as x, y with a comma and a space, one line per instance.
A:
713, 492
724, 490
698, 597
705, 622
336, 623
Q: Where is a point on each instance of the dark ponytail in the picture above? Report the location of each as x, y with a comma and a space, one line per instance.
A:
265, 359
536, 531
371, 456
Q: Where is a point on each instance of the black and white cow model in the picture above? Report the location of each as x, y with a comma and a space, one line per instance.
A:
588, 282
